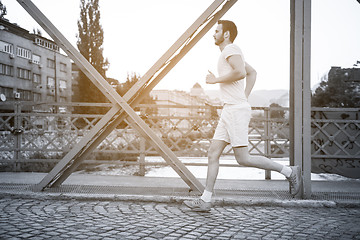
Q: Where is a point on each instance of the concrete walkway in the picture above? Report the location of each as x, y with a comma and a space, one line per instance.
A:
227, 192
127, 207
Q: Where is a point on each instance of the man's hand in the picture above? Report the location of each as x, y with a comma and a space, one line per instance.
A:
210, 78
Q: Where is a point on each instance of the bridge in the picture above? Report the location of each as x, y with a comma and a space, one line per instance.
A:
297, 144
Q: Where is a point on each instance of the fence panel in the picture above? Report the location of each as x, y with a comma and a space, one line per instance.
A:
336, 141
30, 136
45, 136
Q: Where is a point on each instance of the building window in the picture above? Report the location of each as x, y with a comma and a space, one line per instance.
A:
24, 74
50, 98
6, 70
8, 92
6, 47
50, 63
37, 97
25, 95
62, 84
62, 67
36, 78
24, 53
47, 44
50, 82
36, 59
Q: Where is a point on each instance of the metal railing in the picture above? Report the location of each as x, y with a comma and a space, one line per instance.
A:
45, 132
335, 141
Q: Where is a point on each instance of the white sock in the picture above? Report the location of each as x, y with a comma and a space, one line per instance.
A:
206, 196
286, 171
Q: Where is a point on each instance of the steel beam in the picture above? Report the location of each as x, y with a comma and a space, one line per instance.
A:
72, 158
110, 127
300, 98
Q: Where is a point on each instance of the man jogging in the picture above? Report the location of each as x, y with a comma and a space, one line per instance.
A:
235, 117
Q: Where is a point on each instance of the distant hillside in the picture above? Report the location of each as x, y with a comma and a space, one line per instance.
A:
261, 98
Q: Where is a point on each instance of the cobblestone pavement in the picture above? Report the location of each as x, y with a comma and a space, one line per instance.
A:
73, 219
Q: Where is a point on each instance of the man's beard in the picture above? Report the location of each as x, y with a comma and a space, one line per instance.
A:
218, 42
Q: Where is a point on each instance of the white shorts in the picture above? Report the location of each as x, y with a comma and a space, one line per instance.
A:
233, 125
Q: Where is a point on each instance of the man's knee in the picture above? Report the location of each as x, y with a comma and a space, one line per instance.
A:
244, 162
215, 151
242, 156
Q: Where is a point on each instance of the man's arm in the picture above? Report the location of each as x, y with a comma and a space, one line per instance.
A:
250, 79
238, 71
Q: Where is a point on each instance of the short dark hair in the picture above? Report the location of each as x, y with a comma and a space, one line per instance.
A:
229, 26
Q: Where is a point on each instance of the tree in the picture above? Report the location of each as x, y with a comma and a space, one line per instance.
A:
3, 11
278, 113
336, 90
122, 88
130, 81
90, 41
278, 123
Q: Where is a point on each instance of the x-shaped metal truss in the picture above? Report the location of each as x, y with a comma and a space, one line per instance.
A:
123, 107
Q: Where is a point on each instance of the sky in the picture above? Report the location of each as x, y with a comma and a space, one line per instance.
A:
138, 32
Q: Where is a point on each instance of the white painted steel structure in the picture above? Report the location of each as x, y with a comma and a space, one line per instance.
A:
123, 106
300, 98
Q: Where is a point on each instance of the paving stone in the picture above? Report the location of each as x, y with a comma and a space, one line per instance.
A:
51, 219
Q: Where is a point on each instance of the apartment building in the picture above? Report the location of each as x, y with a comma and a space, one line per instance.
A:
32, 68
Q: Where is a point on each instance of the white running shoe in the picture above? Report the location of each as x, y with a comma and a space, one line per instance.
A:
294, 180
198, 205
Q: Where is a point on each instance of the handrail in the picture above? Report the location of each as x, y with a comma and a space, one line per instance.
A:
24, 135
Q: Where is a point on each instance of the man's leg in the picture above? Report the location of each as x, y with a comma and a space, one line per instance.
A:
291, 173
215, 151
204, 203
243, 157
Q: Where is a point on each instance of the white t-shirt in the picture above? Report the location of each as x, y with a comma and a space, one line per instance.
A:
233, 92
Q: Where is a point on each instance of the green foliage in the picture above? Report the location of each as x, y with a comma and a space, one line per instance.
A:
3, 11
122, 88
336, 91
276, 113
90, 41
